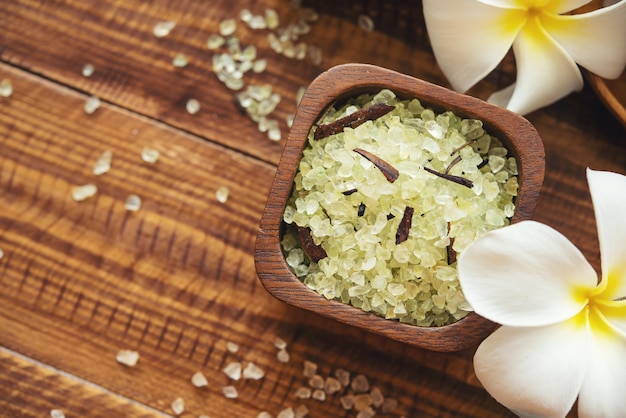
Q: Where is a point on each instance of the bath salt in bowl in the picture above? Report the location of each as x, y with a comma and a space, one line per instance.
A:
383, 181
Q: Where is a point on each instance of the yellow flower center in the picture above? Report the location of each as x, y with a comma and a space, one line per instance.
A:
600, 309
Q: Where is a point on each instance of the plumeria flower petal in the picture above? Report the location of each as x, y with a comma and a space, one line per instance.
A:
527, 370
608, 193
563, 334
470, 37
519, 288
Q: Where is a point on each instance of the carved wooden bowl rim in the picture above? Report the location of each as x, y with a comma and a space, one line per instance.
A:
349, 80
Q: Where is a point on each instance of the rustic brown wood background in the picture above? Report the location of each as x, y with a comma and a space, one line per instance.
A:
176, 280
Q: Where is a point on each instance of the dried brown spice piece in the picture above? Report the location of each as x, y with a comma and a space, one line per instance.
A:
389, 171
405, 225
455, 179
314, 251
450, 252
352, 120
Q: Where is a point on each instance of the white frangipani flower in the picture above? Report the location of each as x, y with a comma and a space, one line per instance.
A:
563, 334
470, 38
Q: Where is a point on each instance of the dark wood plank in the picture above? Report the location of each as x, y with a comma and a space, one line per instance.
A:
174, 281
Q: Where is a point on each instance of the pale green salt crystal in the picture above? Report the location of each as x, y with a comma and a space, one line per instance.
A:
133, 203
162, 29
103, 163
511, 166
215, 41
227, 27
80, 193
511, 186
149, 155
496, 163
495, 217
271, 18
378, 282
295, 257
434, 129
6, 88
490, 190
180, 60
178, 406
509, 210
359, 290
245, 15
91, 104
192, 106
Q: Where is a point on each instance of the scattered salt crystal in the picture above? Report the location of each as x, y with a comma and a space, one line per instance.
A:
92, 104
252, 371
332, 385
310, 369
1, 253
271, 18
368, 412
245, 15
221, 194
133, 203
286, 413
343, 376
316, 382
319, 395
80, 193
280, 343
127, 357
301, 411
230, 392
150, 155
227, 27
274, 134
257, 22
192, 106
365, 22
180, 60
347, 402
377, 397
56, 413
389, 405
303, 392
282, 356
103, 163
6, 88
199, 380
178, 406
232, 347
362, 401
233, 370
215, 41
259, 65
162, 29
88, 70
360, 384
264, 414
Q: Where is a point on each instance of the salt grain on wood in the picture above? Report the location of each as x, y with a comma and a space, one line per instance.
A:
303, 393
80, 193
360, 384
221, 194
91, 104
286, 413
103, 163
162, 29
252, 371
192, 106
178, 406
199, 380
133, 203
233, 370
230, 392
127, 357
56, 413
6, 88
232, 347
88, 70
282, 356
180, 60
150, 155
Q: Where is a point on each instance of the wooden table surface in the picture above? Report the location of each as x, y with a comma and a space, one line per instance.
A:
175, 281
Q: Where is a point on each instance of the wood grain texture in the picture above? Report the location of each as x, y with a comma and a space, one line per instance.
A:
176, 280
346, 81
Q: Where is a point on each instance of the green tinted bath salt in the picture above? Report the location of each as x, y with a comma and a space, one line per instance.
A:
386, 196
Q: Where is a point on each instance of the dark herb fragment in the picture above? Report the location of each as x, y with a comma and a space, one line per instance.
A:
390, 216
390, 172
349, 192
405, 225
453, 163
314, 251
353, 120
450, 251
483, 163
361, 210
455, 179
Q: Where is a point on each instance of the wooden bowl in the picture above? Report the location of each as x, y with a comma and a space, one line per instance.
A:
340, 83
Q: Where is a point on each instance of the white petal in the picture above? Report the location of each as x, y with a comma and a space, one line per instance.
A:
502, 97
526, 274
545, 73
596, 40
469, 38
602, 393
534, 371
608, 193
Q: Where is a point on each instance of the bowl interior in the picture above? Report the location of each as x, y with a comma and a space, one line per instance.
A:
350, 80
